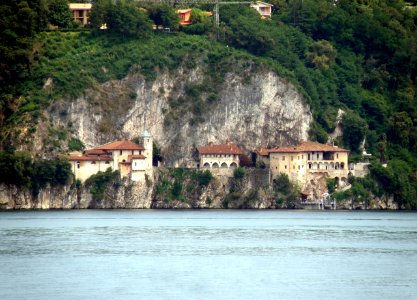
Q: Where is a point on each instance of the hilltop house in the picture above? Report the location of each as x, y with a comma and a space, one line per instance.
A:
264, 9
303, 161
219, 156
80, 12
185, 16
132, 160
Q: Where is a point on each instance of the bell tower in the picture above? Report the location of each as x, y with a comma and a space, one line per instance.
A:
147, 143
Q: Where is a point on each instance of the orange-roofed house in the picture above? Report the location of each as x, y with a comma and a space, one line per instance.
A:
80, 12
308, 158
224, 156
263, 8
132, 160
185, 16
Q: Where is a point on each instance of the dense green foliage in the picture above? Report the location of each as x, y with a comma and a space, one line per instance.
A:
286, 192
177, 184
360, 56
100, 181
19, 169
239, 173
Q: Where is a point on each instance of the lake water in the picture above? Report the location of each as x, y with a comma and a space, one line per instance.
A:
200, 254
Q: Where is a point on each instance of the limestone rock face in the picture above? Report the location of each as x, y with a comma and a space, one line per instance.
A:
263, 110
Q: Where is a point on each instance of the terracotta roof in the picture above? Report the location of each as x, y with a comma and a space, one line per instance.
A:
120, 145
307, 147
137, 156
263, 152
183, 11
220, 149
95, 152
90, 158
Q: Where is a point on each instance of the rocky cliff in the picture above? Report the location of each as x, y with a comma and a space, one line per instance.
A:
251, 107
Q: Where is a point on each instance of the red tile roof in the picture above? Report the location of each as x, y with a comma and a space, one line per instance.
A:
95, 152
220, 149
307, 147
263, 152
120, 145
137, 156
90, 158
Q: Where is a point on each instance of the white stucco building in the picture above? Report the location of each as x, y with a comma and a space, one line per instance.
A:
132, 160
219, 156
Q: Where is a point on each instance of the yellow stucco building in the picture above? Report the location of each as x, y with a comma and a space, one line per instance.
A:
80, 12
301, 162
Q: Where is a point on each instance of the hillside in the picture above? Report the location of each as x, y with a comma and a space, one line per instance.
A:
64, 89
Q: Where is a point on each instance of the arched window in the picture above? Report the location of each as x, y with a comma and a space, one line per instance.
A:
233, 165
206, 165
215, 165
224, 165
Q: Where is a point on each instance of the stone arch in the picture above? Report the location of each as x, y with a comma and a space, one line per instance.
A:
336, 166
223, 165
206, 165
310, 165
233, 165
326, 165
342, 165
215, 165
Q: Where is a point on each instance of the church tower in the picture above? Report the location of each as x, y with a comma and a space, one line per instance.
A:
147, 143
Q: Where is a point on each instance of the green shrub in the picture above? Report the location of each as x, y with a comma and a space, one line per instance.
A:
100, 181
75, 145
239, 173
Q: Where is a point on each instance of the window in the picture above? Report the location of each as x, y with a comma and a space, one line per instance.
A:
283, 158
302, 156
285, 166
298, 157
309, 156
121, 152
318, 156
337, 155
299, 168
78, 164
107, 162
133, 152
93, 162
136, 164
292, 158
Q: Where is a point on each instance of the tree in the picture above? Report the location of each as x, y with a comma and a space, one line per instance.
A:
59, 13
164, 15
99, 13
321, 55
400, 126
126, 19
354, 130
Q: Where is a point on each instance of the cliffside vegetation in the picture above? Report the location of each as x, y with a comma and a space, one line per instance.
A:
360, 56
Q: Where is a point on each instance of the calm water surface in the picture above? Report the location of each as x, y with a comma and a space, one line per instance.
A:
217, 254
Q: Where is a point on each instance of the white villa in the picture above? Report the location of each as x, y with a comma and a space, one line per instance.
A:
219, 156
263, 8
129, 158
